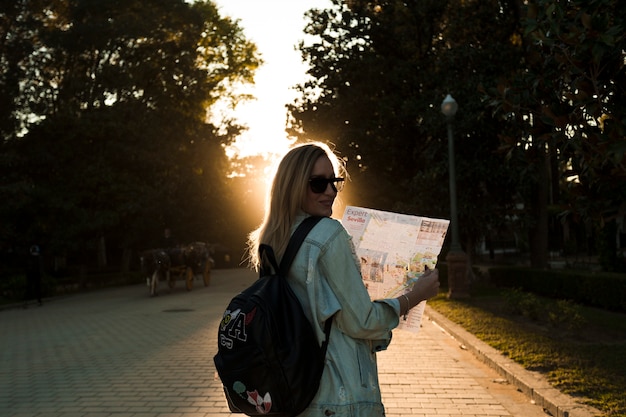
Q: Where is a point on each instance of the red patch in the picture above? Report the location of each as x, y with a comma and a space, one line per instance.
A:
250, 316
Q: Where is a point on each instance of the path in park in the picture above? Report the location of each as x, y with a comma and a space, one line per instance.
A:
119, 353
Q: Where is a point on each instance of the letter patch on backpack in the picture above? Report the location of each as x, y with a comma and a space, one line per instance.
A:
233, 327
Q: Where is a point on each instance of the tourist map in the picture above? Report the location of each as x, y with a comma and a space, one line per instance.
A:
394, 249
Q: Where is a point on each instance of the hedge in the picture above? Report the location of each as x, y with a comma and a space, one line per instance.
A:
597, 289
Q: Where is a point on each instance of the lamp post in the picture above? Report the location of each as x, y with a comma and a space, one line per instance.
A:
456, 259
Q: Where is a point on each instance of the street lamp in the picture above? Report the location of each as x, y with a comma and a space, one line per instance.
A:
456, 259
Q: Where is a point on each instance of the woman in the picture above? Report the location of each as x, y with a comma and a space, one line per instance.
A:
325, 275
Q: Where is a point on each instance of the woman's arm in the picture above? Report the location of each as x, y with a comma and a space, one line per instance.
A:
359, 316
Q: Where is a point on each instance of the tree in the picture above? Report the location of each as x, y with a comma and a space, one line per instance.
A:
566, 108
113, 103
378, 74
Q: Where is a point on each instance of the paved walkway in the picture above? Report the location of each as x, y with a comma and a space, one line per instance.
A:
120, 353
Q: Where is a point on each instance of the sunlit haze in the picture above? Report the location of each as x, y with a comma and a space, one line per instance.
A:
275, 26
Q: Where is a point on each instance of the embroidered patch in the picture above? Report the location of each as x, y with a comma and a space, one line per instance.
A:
250, 316
233, 327
262, 403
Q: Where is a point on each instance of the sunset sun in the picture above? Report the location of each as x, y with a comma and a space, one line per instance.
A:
275, 26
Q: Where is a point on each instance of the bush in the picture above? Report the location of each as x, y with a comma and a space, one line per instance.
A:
597, 289
566, 314
13, 287
522, 303
563, 314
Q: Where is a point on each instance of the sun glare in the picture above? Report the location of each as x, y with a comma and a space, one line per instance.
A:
275, 30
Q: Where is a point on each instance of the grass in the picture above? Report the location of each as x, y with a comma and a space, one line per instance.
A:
581, 351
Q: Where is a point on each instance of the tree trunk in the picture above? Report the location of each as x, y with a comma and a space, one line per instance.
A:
102, 253
126, 257
556, 236
538, 232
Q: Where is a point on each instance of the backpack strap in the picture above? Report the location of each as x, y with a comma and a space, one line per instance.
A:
290, 253
267, 256
293, 246
296, 241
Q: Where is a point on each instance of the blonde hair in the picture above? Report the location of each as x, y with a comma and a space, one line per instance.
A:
286, 196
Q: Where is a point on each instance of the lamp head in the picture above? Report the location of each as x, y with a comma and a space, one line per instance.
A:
449, 106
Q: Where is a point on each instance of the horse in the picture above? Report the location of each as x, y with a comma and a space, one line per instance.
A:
187, 261
155, 266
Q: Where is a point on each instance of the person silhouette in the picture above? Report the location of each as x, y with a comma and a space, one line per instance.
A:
168, 240
33, 276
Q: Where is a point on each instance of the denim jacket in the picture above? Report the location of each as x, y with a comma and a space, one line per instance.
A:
326, 278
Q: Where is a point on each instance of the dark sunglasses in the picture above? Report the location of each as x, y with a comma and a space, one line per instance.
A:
318, 185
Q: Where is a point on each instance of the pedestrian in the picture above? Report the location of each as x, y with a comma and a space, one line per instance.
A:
174, 253
168, 241
33, 276
326, 278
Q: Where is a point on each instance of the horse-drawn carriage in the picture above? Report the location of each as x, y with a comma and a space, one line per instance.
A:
187, 262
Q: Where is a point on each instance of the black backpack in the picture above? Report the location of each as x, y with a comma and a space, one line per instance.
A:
268, 358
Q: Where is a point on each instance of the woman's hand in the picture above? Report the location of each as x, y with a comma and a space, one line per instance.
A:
427, 286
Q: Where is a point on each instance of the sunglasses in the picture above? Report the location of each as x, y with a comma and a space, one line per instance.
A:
318, 185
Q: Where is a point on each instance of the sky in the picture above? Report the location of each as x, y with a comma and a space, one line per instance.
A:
275, 26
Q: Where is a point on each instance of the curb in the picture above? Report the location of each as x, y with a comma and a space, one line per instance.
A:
531, 384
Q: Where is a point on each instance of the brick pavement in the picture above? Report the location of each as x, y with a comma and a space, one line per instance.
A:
119, 353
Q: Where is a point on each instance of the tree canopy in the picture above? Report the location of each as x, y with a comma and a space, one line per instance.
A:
540, 92
379, 74
105, 120
566, 116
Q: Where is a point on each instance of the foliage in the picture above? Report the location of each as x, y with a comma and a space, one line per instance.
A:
105, 130
379, 72
539, 86
565, 108
587, 363
12, 288
560, 314
600, 289
586, 42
